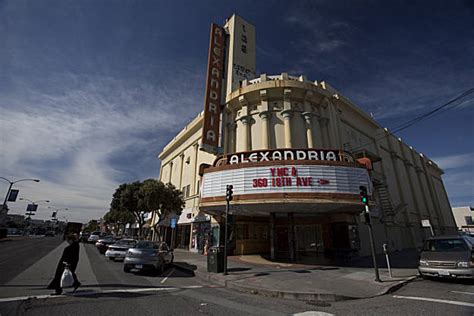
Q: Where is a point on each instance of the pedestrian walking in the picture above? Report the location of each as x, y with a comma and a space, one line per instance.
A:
70, 258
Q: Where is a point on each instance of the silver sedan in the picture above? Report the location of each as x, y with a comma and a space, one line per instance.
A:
148, 255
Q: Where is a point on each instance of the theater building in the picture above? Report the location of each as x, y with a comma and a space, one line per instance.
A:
296, 152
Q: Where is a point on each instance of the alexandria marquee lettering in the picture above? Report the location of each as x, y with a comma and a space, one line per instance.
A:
304, 154
213, 89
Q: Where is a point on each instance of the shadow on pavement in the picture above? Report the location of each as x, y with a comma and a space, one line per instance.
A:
109, 295
398, 259
238, 269
185, 266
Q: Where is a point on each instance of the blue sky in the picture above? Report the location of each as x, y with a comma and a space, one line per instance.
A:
91, 91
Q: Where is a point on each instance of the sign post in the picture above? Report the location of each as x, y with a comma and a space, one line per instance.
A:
173, 227
426, 223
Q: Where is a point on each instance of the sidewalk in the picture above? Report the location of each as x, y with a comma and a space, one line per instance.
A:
256, 275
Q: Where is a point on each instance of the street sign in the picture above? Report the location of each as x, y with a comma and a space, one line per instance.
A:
31, 207
425, 223
13, 194
173, 222
29, 214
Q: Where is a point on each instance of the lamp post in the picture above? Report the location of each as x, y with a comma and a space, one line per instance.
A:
56, 212
29, 214
4, 205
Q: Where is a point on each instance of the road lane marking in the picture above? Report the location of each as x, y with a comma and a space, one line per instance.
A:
313, 313
85, 293
468, 293
166, 278
434, 300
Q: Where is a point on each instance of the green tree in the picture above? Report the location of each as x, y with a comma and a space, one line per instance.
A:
133, 200
160, 199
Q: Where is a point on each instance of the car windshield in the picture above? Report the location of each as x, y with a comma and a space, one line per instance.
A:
146, 245
445, 245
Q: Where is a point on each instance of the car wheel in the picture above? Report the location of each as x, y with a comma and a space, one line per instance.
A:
126, 269
111, 258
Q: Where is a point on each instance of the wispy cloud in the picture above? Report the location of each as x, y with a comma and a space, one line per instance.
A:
455, 161
69, 138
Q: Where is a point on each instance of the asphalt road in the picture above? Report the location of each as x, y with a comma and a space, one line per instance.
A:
18, 253
177, 292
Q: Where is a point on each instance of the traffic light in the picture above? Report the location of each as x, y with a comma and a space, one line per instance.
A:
229, 192
54, 215
363, 195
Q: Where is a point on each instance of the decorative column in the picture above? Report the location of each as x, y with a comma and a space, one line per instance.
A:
231, 126
323, 123
246, 120
287, 114
181, 171
171, 171
308, 118
265, 117
196, 150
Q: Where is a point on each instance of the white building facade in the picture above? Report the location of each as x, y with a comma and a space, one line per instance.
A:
296, 152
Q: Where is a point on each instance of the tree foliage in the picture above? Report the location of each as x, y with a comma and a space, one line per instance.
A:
132, 200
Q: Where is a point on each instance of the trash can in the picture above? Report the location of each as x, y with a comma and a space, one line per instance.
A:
215, 260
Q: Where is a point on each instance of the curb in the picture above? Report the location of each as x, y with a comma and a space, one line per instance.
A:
230, 284
397, 286
302, 296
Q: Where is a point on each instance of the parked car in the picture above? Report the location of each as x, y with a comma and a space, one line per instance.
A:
50, 233
447, 256
94, 237
103, 243
148, 255
119, 249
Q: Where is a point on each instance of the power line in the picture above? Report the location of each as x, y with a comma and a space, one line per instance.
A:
423, 116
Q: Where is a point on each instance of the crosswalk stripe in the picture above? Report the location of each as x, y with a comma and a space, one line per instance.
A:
460, 292
167, 276
434, 300
85, 293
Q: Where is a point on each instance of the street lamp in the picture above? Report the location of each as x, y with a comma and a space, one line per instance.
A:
55, 214
4, 205
34, 203
57, 210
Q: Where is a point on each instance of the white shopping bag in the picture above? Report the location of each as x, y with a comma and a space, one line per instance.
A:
67, 280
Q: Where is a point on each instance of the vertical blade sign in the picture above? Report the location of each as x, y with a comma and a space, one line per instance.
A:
212, 99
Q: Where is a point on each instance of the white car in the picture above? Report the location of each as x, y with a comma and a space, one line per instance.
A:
94, 237
119, 249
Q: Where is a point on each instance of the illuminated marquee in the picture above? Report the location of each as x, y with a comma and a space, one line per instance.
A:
287, 178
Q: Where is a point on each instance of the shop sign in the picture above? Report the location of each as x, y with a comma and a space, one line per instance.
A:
213, 93
289, 154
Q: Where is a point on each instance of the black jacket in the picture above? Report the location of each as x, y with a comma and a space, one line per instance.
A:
71, 255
